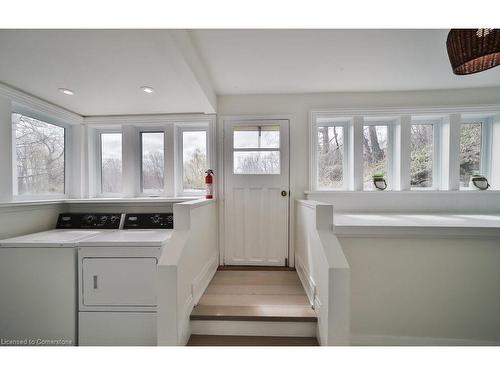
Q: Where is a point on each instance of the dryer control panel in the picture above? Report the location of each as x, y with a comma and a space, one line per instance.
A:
89, 221
149, 221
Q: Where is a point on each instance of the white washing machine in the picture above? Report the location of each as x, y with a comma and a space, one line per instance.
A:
117, 282
38, 281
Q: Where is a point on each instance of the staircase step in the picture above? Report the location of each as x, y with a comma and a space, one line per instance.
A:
253, 328
225, 340
274, 313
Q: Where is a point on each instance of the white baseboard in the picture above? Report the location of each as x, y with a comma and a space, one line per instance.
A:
306, 280
200, 283
380, 340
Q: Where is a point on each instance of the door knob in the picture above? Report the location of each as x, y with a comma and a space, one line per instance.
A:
283, 193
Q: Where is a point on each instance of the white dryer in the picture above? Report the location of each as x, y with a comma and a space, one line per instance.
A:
38, 281
118, 282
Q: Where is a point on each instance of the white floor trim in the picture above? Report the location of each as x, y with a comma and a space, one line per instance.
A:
379, 340
246, 328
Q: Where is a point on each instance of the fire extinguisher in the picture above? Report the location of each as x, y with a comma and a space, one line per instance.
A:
209, 182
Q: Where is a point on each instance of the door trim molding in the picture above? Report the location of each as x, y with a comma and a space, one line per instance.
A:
221, 120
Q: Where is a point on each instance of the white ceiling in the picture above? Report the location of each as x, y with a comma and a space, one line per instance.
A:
304, 61
105, 69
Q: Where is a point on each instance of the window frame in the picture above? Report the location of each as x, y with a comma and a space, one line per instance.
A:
347, 124
140, 131
436, 123
179, 129
391, 126
486, 144
16, 109
98, 163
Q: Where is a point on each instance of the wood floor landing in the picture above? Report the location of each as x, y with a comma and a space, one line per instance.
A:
258, 295
220, 340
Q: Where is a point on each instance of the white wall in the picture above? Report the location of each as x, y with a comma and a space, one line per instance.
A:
20, 220
424, 291
300, 105
323, 271
185, 268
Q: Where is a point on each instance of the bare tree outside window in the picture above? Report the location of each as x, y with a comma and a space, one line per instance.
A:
39, 156
194, 159
330, 157
374, 153
422, 154
153, 162
257, 162
470, 151
111, 162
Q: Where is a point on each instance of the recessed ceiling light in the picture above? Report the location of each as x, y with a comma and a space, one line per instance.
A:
66, 91
147, 89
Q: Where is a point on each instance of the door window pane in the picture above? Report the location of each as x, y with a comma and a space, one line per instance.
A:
422, 154
194, 159
247, 156
256, 137
111, 162
153, 162
256, 162
330, 157
39, 156
470, 152
374, 154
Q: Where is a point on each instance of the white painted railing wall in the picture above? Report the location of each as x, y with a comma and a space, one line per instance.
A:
323, 270
185, 268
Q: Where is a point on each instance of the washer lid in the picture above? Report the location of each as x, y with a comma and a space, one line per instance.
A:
131, 237
50, 238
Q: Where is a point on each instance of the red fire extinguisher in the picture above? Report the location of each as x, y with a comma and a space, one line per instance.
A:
209, 182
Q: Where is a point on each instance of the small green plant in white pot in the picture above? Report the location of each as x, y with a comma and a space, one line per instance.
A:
379, 181
479, 182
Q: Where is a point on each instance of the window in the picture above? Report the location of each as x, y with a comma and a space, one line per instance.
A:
422, 155
375, 153
194, 160
152, 162
330, 156
40, 156
470, 151
256, 150
111, 162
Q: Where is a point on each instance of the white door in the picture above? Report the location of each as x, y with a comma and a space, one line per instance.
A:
256, 192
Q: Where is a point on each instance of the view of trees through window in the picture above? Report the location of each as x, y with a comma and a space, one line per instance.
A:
374, 153
153, 162
422, 150
248, 158
39, 156
470, 151
111, 162
330, 157
194, 159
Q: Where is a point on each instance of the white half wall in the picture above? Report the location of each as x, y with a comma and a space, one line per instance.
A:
186, 267
323, 271
418, 291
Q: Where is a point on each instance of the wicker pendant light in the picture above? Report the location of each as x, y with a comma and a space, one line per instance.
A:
473, 50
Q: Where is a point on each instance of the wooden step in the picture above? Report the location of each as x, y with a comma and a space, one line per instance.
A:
269, 313
255, 303
224, 340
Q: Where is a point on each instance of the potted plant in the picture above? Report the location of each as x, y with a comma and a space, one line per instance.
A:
479, 181
379, 181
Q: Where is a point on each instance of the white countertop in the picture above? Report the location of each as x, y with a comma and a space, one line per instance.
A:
422, 224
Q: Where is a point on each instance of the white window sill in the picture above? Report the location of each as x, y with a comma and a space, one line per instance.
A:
100, 200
